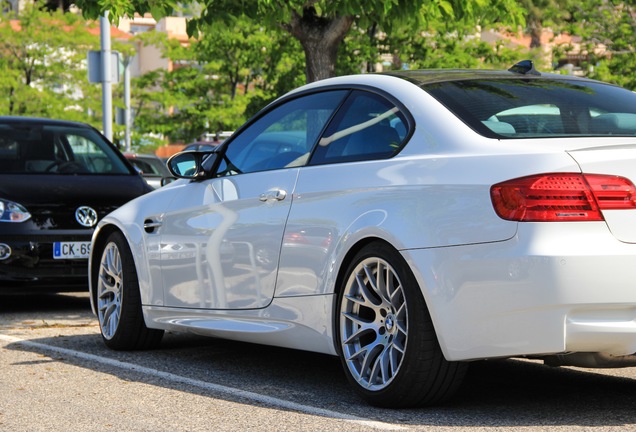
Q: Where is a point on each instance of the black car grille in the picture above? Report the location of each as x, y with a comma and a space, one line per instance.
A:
62, 218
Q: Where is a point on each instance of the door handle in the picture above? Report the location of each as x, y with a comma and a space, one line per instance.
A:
277, 195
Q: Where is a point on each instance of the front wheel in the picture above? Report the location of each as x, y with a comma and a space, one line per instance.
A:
388, 345
118, 299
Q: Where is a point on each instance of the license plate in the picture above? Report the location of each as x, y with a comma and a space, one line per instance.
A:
71, 250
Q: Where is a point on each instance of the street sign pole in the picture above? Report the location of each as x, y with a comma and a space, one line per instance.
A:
107, 97
127, 101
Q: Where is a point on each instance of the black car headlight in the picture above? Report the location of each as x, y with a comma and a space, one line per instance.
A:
13, 212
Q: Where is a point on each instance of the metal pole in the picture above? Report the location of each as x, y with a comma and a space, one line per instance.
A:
127, 114
107, 97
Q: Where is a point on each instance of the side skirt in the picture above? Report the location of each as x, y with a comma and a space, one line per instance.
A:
303, 323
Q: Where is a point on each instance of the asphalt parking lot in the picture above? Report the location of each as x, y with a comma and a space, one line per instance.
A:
58, 376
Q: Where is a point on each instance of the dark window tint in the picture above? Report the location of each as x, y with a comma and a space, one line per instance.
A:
37, 149
520, 108
368, 126
283, 137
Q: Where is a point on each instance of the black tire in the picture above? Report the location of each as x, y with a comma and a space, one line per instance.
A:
387, 343
118, 299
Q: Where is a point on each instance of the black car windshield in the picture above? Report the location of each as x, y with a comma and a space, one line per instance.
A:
522, 108
56, 149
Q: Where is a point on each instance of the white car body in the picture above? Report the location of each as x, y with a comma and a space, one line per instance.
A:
493, 287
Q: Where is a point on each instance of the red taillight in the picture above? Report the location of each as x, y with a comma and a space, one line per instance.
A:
562, 197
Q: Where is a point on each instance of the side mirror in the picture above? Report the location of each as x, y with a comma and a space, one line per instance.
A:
188, 164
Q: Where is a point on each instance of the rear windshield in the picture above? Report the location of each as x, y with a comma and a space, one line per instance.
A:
27, 148
522, 108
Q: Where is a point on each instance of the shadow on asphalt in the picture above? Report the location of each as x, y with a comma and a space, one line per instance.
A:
496, 393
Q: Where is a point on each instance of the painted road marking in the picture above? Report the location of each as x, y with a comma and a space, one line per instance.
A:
234, 392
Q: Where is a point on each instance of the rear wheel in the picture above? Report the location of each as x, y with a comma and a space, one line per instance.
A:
388, 345
118, 299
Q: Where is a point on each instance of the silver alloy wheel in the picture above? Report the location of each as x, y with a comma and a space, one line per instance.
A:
373, 324
109, 290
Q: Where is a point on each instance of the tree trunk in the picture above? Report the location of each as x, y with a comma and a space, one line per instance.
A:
536, 31
372, 34
11, 103
320, 38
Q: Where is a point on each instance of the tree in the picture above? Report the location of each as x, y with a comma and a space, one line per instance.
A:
55, 5
42, 58
444, 44
220, 79
319, 26
541, 14
607, 30
265, 62
244, 51
458, 49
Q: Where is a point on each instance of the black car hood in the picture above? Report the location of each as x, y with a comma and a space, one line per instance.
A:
53, 199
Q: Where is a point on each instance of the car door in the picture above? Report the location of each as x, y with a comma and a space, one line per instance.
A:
221, 240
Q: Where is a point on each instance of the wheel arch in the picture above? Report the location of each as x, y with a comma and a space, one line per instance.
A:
98, 242
133, 240
340, 277
121, 316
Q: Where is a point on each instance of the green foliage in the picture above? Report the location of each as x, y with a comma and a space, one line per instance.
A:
244, 56
226, 75
144, 143
320, 26
620, 69
117, 9
388, 12
247, 54
449, 51
42, 56
607, 32
444, 45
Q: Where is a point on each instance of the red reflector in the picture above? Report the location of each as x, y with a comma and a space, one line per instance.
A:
296, 238
562, 197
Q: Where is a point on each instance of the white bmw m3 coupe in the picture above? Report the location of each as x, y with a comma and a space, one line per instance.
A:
408, 222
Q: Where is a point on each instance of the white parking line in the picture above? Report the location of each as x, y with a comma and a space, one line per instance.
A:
234, 392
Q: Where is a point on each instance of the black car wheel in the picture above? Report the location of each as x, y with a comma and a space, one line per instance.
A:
388, 345
118, 299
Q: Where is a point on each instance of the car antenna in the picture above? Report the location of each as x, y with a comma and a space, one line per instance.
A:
525, 67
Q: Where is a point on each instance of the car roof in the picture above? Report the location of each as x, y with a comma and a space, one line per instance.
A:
431, 76
523, 70
38, 120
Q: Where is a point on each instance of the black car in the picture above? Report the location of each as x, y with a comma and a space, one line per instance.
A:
57, 179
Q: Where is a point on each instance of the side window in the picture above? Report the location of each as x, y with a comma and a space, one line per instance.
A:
57, 149
283, 137
545, 119
87, 150
367, 127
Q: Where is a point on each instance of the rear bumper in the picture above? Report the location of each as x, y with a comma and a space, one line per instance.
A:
552, 289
